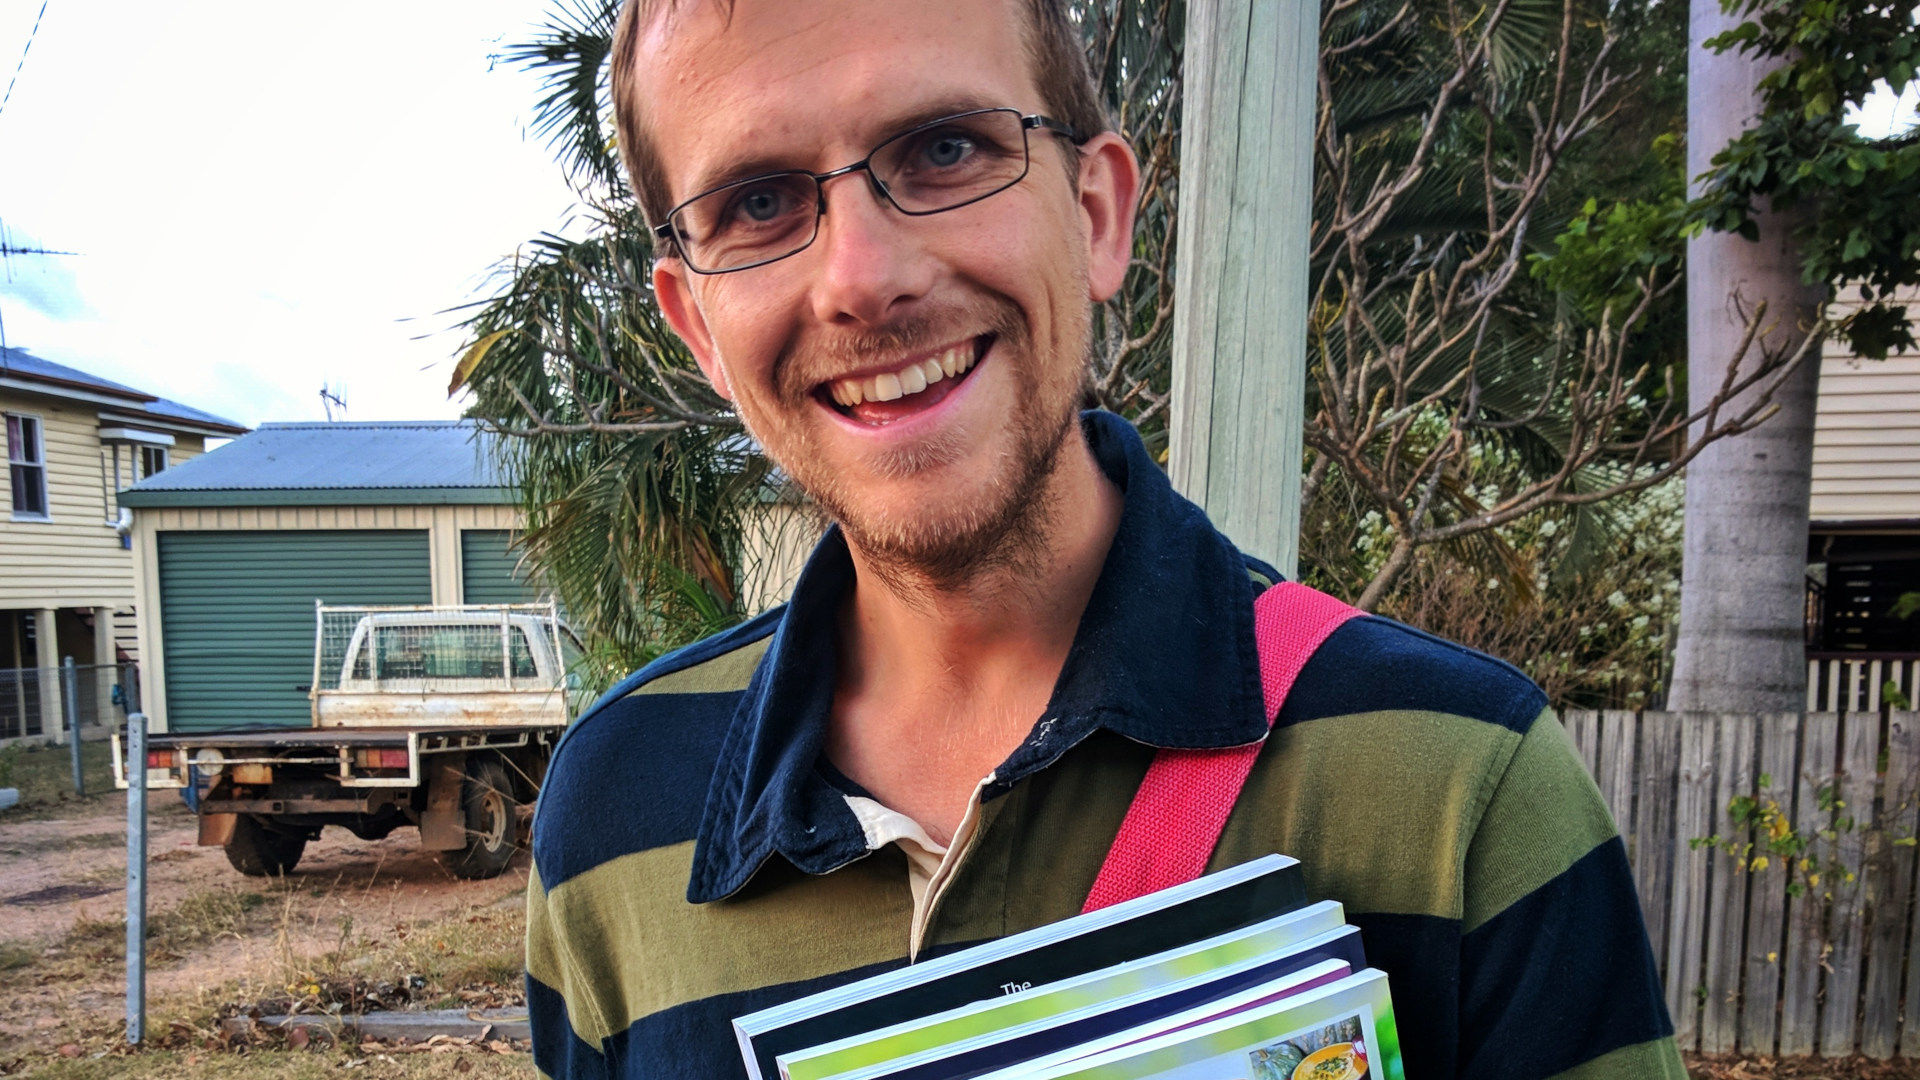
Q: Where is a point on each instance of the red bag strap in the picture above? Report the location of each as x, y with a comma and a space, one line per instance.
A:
1177, 816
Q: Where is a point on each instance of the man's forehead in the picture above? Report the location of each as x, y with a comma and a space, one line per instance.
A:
775, 73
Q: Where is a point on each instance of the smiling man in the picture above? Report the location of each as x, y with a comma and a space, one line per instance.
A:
882, 225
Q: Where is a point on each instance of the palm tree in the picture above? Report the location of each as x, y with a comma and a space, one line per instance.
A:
1743, 574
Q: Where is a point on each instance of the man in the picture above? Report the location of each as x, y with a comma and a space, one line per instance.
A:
882, 224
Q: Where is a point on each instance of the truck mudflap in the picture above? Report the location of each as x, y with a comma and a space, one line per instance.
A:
354, 758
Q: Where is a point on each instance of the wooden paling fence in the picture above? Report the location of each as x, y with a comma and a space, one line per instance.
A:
1748, 965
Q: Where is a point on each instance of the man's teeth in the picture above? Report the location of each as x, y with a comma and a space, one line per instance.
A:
911, 379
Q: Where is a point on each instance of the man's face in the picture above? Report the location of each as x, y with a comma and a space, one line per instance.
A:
994, 297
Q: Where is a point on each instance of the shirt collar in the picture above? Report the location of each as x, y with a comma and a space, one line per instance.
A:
1164, 655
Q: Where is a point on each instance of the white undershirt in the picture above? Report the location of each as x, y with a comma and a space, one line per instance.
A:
929, 864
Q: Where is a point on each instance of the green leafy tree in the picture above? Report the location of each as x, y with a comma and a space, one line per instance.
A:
1474, 344
1861, 194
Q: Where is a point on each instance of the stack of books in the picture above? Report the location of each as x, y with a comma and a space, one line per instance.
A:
1232, 976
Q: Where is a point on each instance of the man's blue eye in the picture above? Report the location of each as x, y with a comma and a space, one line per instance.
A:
947, 150
761, 205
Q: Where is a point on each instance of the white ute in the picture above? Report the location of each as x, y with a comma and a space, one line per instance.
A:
435, 717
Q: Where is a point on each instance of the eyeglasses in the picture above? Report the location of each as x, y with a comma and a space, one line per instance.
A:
941, 165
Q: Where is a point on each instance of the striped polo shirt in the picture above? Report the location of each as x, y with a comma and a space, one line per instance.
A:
696, 858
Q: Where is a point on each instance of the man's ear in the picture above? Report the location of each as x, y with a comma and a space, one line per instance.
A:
1109, 194
672, 287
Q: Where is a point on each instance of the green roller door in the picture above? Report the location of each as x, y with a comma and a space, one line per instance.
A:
490, 572
236, 614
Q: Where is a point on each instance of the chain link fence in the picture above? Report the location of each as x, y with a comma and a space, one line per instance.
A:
34, 702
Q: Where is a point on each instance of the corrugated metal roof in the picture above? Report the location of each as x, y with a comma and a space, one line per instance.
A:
321, 457
21, 364
163, 407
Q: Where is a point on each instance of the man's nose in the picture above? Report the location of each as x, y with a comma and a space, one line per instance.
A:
871, 258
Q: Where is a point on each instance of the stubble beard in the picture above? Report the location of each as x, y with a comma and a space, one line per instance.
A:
945, 546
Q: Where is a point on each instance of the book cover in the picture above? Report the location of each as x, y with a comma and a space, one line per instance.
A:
1199, 909
1128, 1018
1217, 966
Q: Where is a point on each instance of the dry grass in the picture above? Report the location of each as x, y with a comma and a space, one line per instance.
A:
44, 775
304, 963
200, 918
472, 956
1732, 1067
472, 1064
13, 957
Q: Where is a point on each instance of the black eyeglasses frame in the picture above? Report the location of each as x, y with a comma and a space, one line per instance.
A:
667, 233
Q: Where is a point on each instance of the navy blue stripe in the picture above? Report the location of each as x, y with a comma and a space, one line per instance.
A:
1570, 958
1421, 956
688, 656
557, 1051
695, 1041
634, 779
1408, 669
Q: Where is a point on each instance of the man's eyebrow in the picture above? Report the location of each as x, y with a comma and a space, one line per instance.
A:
755, 161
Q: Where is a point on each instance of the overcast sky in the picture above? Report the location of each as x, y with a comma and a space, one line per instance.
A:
265, 197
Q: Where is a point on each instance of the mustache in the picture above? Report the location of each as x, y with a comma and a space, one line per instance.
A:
808, 363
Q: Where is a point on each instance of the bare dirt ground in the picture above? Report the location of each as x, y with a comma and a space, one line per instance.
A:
357, 921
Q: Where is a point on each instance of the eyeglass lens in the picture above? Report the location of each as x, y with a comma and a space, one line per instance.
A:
940, 166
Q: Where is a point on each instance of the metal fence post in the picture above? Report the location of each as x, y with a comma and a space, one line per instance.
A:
70, 704
136, 877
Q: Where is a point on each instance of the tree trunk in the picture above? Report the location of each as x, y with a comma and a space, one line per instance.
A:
1742, 602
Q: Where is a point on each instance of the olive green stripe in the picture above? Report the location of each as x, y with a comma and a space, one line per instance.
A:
630, 933
1363, 834
1656, 1060
1545, 815
727, 673
547, 963
1363, 822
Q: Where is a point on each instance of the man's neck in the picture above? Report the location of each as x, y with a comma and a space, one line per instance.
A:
937, 685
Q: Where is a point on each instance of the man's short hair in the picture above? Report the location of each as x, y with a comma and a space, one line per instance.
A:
1058, 60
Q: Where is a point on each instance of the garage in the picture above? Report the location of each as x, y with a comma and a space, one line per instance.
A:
236, 612
233, 549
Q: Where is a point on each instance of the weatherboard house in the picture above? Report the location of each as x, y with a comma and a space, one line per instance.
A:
1863, 550
75, 441
233, 549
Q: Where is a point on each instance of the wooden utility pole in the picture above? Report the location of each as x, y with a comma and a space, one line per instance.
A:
1240, 300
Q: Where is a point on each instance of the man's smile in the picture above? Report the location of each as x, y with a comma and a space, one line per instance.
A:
905, 388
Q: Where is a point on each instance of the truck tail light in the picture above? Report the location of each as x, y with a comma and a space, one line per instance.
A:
159, 759
380, 758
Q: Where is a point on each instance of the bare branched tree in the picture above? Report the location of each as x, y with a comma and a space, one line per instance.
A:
1135, 48
1422, 354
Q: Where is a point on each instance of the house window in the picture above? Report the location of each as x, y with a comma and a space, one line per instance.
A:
27, 466
153, 459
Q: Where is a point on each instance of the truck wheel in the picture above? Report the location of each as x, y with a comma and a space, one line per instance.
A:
487, 811
256, 850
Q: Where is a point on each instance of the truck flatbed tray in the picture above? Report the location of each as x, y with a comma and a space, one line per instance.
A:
340, 736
